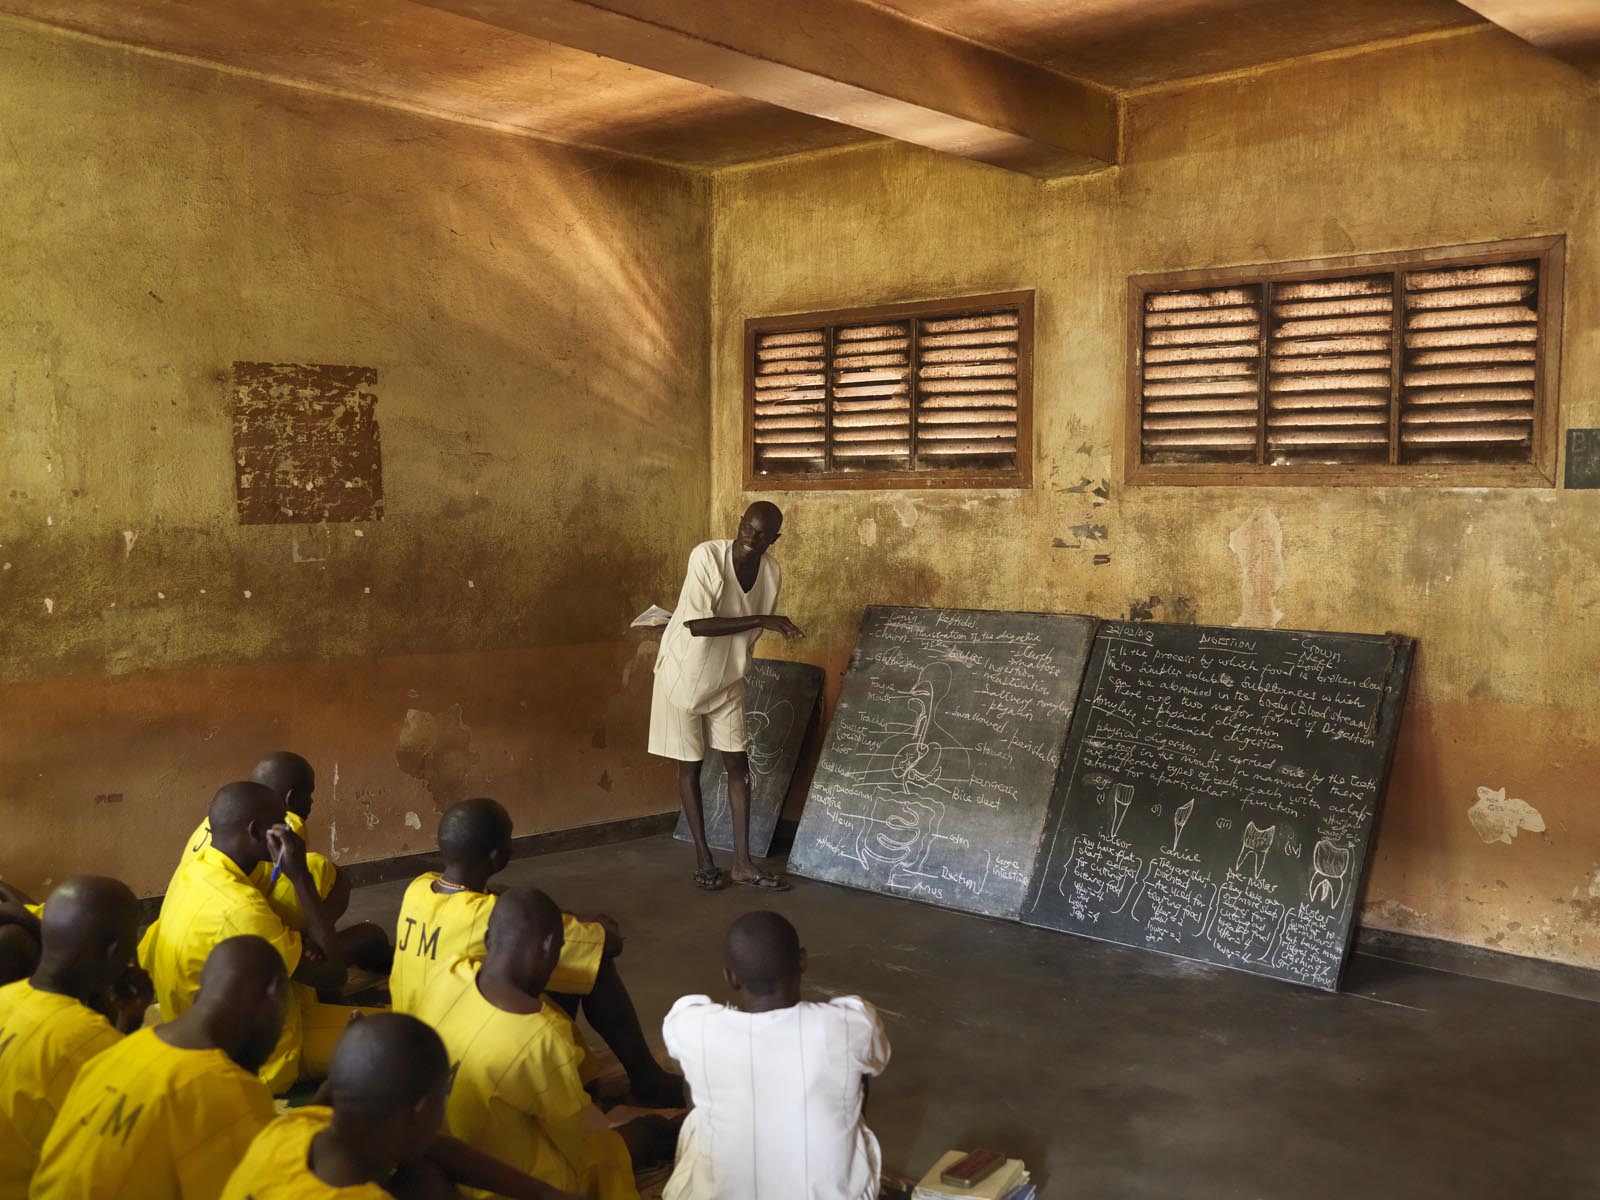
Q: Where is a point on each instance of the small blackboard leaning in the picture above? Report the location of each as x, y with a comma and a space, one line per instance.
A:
780, 708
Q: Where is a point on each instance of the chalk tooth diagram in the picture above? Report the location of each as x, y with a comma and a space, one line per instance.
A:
1179, 820
1254, 846
1121, 802
1330, 863
914, 766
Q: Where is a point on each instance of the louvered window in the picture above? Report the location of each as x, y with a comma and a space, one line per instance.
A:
921, 395
1435, 366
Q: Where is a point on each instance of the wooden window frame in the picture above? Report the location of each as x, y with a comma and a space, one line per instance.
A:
1019, 477
1540, 472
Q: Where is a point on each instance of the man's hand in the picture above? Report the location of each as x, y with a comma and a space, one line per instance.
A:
124, 1001
782, 625
288, 851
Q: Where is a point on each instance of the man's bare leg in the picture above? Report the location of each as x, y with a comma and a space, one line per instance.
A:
610, 1011
694, 811
738, 765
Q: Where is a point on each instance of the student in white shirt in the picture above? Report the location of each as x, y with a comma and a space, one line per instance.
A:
778, 1084
728, 600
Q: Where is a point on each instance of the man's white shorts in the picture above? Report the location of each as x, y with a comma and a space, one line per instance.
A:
678, 733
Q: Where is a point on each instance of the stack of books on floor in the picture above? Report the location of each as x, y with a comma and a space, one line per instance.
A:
1009, 1181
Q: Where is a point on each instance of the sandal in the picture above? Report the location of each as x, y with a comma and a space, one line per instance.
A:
710, 879
764, 882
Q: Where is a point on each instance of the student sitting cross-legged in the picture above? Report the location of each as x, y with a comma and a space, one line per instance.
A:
517, 1093
166, 1113
212, 897
778, 1084
380, 1138
444, 915
48, 1027
294, 781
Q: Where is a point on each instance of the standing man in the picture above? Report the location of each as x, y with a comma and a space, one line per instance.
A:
728, 600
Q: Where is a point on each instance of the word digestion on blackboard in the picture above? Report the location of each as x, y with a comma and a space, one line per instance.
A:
936, 773
1218, 794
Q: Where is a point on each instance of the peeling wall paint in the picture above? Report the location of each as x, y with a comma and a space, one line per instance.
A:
1258, 546
178, 645
1497, 818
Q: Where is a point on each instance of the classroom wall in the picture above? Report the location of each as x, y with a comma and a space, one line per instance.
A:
1449, 140
537, 321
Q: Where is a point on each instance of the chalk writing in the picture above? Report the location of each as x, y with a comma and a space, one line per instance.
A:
1239, 773
935, 777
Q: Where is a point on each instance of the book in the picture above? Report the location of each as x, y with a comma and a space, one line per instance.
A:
651, 618
998, 1186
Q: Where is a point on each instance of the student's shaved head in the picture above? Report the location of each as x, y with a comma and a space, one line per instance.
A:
522, 915
239, 967
236, 805
763, 953
471, 831
285, 772
85, 915
243, 999
385, 1062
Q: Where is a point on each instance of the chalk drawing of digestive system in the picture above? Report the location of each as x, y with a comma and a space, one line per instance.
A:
915, 765
1330, 864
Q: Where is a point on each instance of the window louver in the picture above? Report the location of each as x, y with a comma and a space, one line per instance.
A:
1471, 350
1202, 375
1329, 371
914, 394
1395, 361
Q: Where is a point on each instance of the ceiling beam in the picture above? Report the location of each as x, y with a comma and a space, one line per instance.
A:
1568, 29
845, 61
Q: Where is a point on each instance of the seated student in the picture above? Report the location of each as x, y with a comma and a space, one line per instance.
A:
212, 898
295, 781
443, 917
380, 1139
516, 1092
167, 1113
779, 1074
292, 778
47, 1028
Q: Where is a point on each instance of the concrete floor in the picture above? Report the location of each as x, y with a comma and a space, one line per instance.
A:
1117, 1073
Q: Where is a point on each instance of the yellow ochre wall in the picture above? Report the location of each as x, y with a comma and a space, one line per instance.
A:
537, 320
1451, 140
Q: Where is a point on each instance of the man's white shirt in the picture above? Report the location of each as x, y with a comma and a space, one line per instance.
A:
777, 1100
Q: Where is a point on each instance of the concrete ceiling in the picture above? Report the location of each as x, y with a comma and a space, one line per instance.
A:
1128, 44
1033, 85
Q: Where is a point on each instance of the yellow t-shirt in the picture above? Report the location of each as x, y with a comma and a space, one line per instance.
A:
275, 1167
516, 1093
436, 928
148, 1121
209, 900
35, 910
45, 1040
281, 895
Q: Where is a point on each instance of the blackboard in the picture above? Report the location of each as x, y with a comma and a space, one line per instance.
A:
935, 777
1218, 794
780, 701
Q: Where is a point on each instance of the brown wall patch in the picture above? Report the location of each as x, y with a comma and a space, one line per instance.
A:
305, 443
